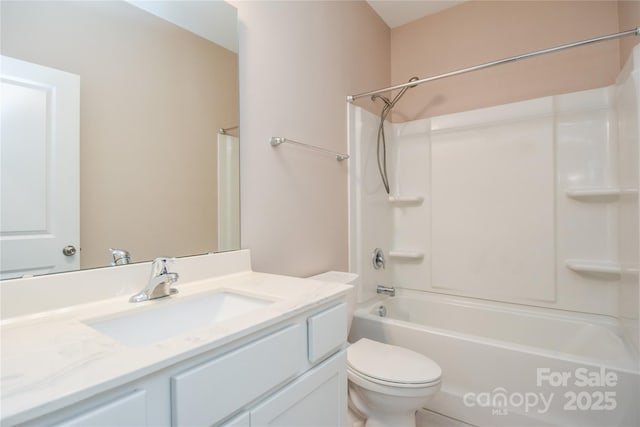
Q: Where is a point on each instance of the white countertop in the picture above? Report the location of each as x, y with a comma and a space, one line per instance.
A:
53, 359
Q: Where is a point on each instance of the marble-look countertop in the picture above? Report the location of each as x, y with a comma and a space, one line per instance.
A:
52, 360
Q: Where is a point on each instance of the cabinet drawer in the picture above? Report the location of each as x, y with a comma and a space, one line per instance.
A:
129, 410
327, 332
212, 391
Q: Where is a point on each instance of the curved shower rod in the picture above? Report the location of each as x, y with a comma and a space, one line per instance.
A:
634, 32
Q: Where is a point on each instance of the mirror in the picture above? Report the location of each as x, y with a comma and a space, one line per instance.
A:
153, 96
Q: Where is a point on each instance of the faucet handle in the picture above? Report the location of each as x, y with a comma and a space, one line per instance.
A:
160, 264
120, 256
377, 257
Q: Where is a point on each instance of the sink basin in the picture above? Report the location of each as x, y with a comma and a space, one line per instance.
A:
170, 318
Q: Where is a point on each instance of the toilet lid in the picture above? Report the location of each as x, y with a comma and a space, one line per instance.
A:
391, 363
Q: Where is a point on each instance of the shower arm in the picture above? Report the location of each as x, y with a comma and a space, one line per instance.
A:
634, 32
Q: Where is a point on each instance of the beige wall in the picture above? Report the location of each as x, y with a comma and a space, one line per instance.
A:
152, 98
298, 61
482, 31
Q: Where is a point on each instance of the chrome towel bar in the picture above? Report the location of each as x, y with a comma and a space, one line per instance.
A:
277, 140
225, 131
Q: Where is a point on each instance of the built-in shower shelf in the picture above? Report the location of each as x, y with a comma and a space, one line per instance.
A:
406, 200
595, 194
583, 266
407, 255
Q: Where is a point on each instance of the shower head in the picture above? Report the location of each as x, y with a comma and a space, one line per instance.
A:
404, 89
384, 98
389, 103
381, 150
401, 93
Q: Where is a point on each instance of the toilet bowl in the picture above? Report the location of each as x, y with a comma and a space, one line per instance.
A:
387, 383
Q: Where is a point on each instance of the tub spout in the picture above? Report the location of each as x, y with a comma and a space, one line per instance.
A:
386, 290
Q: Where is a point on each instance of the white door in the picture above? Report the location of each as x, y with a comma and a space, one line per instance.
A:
39, 169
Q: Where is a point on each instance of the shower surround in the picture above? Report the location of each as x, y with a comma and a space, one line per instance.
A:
533, 203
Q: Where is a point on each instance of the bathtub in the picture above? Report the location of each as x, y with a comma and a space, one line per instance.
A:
512, 365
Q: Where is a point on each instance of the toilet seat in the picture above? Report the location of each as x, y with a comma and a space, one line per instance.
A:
392, 390
362, 379
391, 366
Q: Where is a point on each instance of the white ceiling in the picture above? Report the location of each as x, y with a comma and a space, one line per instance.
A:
213, 20
197, 15
398, 12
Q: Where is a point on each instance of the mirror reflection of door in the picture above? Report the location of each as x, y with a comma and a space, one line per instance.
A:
39, 169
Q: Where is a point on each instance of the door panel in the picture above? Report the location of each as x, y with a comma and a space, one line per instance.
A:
39, 169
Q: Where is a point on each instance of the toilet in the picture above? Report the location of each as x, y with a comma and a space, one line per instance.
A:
387, 383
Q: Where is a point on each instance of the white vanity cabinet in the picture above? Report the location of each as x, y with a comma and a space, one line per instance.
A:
317, 398
295, 376
213, 390
289, 374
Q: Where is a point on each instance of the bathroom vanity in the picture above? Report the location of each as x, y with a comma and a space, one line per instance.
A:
233, 348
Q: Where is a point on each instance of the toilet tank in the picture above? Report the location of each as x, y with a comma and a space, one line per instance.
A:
347, 279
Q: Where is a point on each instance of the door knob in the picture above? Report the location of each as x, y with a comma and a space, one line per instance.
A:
69, 250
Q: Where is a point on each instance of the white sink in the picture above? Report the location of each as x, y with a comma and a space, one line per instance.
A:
170, 318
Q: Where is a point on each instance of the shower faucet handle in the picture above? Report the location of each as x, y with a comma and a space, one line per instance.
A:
378, 259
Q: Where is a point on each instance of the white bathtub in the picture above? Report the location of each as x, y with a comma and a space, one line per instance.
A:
511, 365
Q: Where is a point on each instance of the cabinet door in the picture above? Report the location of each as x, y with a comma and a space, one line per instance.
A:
318, 398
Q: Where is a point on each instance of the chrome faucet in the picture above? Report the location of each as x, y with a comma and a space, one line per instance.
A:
386, 290
159, 283
120, 256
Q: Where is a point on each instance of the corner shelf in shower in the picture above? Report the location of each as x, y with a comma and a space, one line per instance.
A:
596, 194
584, 266
406, 200
406, 255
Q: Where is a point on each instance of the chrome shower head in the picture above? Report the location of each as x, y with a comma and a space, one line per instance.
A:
381, 150
384, 98
401, 93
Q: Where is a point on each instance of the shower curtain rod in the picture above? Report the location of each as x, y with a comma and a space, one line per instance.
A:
634, 32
